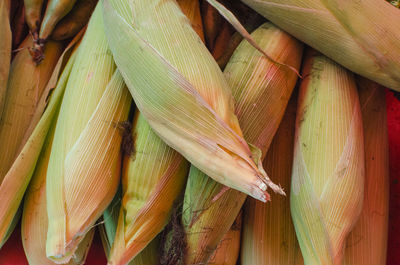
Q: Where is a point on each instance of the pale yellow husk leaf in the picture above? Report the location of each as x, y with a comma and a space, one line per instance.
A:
367, 242
261, 90
34, 218
328, 169
180, 90
362, 36
84, 166
152, 179
17, 178
268, 231
26, 84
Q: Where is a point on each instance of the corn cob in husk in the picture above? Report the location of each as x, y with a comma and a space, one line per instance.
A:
26, 84
148, 256
367, 242
268, 231
5, 50
261, 90
33, 15
74, 21
328, 169
166, 80
353, 33
34, 218
84, 167
18, 176
191, 9
152, 179
55, 11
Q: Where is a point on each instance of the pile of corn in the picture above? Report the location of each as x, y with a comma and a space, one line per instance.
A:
164, 125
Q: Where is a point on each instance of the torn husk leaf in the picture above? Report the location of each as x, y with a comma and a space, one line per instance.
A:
367, 242
328, 168
5, 49
152, 179
26, 84
34, 218
84, 166
17, 178
261, 90
181, 91
361, 26
268, 231
148, 256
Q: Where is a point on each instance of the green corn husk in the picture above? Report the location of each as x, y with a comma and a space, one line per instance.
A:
152, 179
363, 27
261, 90
17, 178
5, 49
148, 256
328, 168
181, 91
34, 218
268, 231
367, 242
84, 166
27, 82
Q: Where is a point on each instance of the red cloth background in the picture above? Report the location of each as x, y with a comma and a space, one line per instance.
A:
12, 252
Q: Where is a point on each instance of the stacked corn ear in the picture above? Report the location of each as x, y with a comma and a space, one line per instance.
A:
148, 256
367, 242
84, 167
228, 249
191, 9
262, 90
268, 231
55, 11
33, 15
18, 176
5, 49
180, 90
152, 179
34, 218
364, 47
328, 168
26, 84
74, 21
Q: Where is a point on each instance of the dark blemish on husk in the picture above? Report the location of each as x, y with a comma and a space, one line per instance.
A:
173, 240
128, 141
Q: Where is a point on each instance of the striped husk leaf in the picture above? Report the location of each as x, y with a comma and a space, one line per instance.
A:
18, 176
364, 47
328, 167
261, 90
179, 89
268, 231
84, 167
152, 179
5, 49
34, 218
367, 242
26, 84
